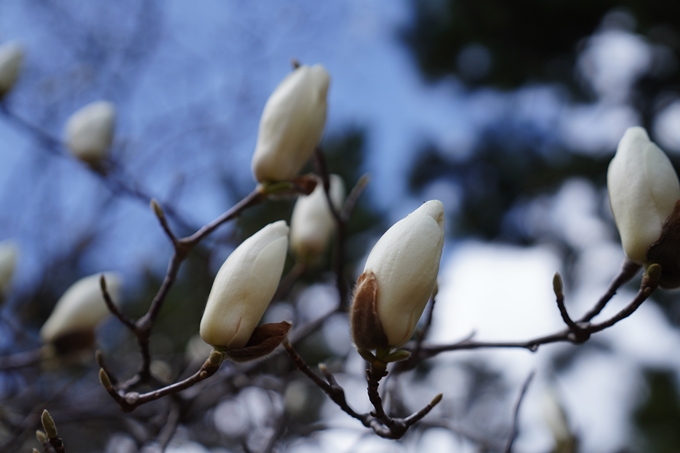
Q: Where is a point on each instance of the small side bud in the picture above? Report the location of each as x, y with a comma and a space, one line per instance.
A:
436, 400
215, 358
652, 275
35, 450
104, 379
41, 437
397, 356
557, 285
156, 208
48, 425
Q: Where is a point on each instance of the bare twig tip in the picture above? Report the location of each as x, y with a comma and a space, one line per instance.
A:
156, 208
436, 400
48, 425
41, 437
557, 284
104, 379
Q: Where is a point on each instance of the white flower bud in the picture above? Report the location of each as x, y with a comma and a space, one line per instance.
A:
244, 286
312, 222
89, 131
11, 59
81, 308
8, 261
643, 190
400, 276
291, 125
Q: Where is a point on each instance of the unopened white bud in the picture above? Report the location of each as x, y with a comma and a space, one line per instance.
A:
81, 308
11, 60
244, 286
312, 223
291, 125
8, 260
89, 131
401, 274
643, 190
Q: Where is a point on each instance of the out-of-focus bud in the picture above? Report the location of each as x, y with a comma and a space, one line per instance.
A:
643, 190
243, 288
89, 131
11, 59
8, 261
291, 125
312, 223
79, 311
398, 279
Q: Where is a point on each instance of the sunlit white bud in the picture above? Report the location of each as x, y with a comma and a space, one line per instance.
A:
11, 59
89, 131
643, 189
8, 261
81, 308
291, 125
399, 278
312, 223
244, 286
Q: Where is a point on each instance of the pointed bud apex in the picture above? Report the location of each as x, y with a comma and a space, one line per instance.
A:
295, 63
557, 285
104, 379
48, 425
40, 437
156, 208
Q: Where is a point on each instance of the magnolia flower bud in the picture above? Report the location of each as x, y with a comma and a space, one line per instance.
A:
291, 125
643, 190
89, 131
11, 59
244, 286
312, 223
8, 260
81, 308
399, 278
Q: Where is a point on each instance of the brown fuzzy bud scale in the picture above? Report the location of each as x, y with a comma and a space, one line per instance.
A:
367, 331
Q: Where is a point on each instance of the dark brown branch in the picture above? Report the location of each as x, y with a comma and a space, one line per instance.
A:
129, 401
514, 430
380, 423
253, 198
113, 308
626, 273
585, 329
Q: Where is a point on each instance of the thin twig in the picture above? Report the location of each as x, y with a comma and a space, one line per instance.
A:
21, 359
515, 419
626, 273
113, 308
648, 286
